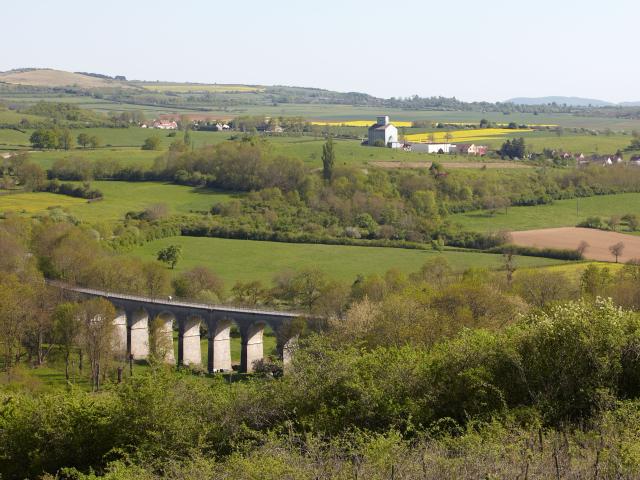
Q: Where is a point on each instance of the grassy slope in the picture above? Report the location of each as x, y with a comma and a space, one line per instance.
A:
247, 260
561, 213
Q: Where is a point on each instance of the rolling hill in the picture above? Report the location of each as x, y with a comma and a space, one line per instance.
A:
571, 101
46, 77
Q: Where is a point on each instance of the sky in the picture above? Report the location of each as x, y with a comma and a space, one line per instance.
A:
474, 50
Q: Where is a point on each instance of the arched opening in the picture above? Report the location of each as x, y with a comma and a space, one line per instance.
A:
161, 338
139, 334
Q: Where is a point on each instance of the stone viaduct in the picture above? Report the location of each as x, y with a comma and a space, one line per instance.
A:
135, 315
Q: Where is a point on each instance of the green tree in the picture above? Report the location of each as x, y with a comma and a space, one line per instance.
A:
170, 255
66, 330
152, 143
83, 140
94, 141
65, 139
328, 159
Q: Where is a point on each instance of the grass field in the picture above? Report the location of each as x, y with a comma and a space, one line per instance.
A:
244, 260
562, 213
36, 202
119, 198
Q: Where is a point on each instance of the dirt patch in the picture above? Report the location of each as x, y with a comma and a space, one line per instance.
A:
449, 165
570, 238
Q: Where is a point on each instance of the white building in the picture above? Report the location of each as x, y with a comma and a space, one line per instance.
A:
165, 124
383, 133
433, 147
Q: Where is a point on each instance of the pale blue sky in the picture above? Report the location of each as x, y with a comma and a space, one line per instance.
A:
471, 49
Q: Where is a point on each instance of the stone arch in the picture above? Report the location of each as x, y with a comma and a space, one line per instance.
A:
252, 346
138, 333
161, 337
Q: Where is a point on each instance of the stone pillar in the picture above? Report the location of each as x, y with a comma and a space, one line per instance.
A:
163, 338
251, 347
189, 352
139, 334
219, 355
288, 351
120, 335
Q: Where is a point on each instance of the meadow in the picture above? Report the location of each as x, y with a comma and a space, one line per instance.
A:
561, 213
246, 260
36, 202
119, 198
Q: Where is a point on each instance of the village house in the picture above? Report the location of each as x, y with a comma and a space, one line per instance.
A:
383, 133
165, 124
470, 149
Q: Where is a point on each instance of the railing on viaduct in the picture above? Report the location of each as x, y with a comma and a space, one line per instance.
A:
134, 315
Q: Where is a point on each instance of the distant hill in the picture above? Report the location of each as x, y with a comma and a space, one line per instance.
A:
46, 77
571, 101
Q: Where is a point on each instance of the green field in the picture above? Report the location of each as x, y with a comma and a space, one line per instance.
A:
244, 260
119, 198
132, 137
36, 202
561, 213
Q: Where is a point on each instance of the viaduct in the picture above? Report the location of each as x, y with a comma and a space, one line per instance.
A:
134, 315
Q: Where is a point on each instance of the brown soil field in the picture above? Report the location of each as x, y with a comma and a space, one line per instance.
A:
570, 237
451, 165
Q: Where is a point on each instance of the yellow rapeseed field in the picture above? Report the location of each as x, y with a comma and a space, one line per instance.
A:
472, 135
35, 202
360, 123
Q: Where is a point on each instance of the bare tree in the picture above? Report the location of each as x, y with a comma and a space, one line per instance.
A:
617, 249
582, 248
96, 319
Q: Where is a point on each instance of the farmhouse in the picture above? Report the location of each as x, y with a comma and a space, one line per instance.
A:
470, 149
433, 147
165, 124
383, 134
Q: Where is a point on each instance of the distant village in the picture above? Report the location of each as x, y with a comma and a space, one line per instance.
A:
384, 134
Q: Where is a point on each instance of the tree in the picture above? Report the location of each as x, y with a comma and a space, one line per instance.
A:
582, 247
66, 330
94, 141
31, 176
83, 140
616, 249
170, 255
151, 143
97, 335
632, 221
44, 138
328, 159
65, 139
199, 283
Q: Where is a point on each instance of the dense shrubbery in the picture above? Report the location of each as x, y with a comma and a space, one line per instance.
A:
558, 253
79, 191
440, 372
